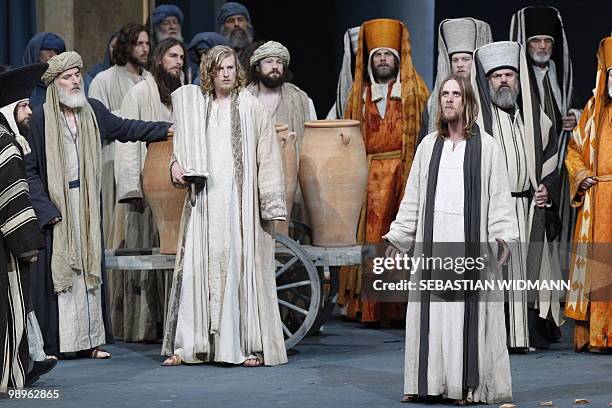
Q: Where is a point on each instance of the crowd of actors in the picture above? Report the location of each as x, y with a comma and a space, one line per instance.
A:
496, 153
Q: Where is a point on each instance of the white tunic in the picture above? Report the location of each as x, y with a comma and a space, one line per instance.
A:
80, 308
445, 362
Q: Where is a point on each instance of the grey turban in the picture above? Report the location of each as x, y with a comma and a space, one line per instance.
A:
271, 49
61, 63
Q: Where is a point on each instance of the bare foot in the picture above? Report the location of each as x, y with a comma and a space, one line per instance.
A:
175, 360
253, 362
99, 354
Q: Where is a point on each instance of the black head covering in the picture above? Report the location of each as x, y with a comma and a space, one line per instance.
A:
542, 20
18, 84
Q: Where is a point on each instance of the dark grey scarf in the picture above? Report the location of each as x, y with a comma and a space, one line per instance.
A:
471, 213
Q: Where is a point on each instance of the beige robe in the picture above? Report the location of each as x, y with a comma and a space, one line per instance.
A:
138, 297
109, 87
497, 221
223, 304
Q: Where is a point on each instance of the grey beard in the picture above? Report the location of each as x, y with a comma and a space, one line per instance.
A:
504, 98
159, 36
72, 101
610, 90
238, 38
540, 58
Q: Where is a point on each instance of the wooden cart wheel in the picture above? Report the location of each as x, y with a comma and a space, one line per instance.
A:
298, 288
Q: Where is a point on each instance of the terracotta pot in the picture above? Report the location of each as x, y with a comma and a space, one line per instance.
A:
333, 176
165, 200
287, 141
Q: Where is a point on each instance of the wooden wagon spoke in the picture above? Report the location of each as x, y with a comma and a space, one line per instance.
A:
293, 307
286, 330
286, 266
293, 285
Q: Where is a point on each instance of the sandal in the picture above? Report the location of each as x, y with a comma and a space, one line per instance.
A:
253, 362
99, 354
173, 361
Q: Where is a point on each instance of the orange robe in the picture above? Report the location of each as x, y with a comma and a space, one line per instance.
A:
593, 311
384, 143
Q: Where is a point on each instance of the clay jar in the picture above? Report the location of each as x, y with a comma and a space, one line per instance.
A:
165, 200
287, 142
333, 174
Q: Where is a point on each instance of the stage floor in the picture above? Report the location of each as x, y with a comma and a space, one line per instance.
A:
347, 365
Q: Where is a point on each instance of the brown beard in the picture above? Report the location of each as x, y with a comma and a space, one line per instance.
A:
270, 82
166, 84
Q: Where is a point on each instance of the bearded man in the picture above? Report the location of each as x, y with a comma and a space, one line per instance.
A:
130, 56
20, 238
234, 22
40, 48
539, 29
138, 300
166, 22
64, 176
458, 192
15, 87
387, 97
286, 102
457, 40
223, 305
530, 150
589, 166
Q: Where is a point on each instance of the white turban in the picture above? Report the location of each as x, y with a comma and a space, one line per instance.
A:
271, 49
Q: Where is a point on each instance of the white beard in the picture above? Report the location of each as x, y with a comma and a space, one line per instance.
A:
610, 90
540, 57
72, 100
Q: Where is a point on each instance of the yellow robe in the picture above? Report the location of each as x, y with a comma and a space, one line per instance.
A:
593, 311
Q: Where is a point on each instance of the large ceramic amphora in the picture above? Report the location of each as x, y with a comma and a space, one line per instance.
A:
333, 174
165, 200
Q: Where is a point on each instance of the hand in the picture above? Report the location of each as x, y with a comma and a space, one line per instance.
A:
55, 220
170, 131
503, 252
177, 173
392, 251
587, 183
541, 196
568, 122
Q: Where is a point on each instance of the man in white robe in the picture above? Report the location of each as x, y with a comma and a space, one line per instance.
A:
457, 191
137, 311
524, 133
130, 56
223, 305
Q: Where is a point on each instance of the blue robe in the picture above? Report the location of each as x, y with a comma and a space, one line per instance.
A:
30, 56
44, 299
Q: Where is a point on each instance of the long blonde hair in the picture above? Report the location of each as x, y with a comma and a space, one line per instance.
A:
209, 68
469, 110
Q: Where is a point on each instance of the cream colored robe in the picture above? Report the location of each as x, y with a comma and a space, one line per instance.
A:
497, 221
109, 87
195, 321
138, 297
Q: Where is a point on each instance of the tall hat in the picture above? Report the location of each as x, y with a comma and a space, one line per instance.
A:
541, 21
499, 55
15, 86
18, 84
382, 33
459, 35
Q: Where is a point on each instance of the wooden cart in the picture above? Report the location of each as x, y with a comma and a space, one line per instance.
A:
306, 279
